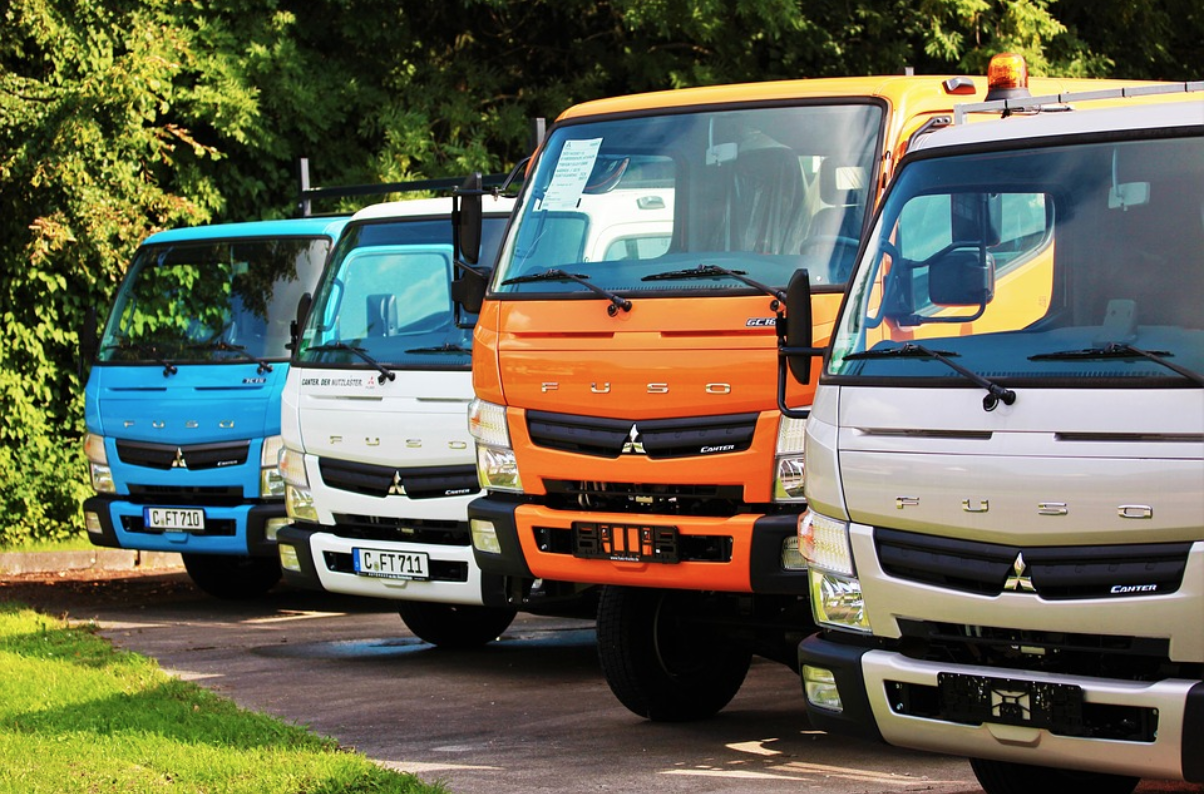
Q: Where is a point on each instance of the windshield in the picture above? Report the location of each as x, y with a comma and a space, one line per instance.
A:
386, 297
211, 301
1077, 264
636, 205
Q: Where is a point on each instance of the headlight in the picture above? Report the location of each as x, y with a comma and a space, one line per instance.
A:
299, 504
98, 464
497, 468
271, 484
788, 464
292, 468
836, 599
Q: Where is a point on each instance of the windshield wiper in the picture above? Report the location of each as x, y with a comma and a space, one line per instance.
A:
556, 274
447, 348
224, 346
385, 372
705, 271
995, 393
149, 350
1121, 350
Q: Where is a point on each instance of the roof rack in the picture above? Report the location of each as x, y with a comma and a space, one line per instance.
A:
1019, 104
309, 194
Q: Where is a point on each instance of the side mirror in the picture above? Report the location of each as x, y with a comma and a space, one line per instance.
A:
298, 323
798, 326
965, 277
468, 291
466, 219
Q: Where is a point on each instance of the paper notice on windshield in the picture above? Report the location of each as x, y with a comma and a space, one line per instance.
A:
573, 168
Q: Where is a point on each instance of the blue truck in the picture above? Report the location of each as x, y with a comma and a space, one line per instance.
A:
182, 405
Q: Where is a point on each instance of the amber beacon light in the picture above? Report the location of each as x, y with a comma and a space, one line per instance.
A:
1007, 77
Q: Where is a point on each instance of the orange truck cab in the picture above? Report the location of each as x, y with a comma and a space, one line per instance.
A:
625, 357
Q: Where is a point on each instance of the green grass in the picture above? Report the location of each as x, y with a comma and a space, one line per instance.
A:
77, 543
78, 716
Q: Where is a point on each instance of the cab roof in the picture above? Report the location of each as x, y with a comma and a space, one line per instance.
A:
1030, 127
328, 226
430, 208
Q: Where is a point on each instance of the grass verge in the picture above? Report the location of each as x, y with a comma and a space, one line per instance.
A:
75, 543
76, 715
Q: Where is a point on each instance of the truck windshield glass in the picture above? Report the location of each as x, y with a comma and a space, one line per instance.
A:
387, 294
211, 301
760, 191
1063, 266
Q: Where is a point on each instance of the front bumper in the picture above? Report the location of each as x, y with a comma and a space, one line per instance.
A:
866, 677
230, 529
537, 543
325, 560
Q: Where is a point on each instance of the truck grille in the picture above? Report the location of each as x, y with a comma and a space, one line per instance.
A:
658, 439
648, 498
427, 482
413, 530
1054, 573
194, 457
199, 496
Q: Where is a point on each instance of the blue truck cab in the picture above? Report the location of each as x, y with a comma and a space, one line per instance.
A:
182, 405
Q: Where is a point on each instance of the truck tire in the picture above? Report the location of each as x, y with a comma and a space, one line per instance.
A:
660, 667
454, 625
1003, 777
232, 578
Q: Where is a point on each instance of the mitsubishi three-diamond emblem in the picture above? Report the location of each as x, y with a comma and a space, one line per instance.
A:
634, 445
179, 462
1019, 580
397, 489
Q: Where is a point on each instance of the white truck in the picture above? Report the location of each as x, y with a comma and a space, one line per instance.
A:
378, 463
1005, 454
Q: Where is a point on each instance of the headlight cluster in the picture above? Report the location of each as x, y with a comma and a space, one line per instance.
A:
298, 499
497, 468
98, 464
788, 463
271, 484
836, 599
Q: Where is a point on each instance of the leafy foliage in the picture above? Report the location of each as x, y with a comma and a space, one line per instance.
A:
119, 118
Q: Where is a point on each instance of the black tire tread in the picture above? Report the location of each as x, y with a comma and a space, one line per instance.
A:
1004, 777
454, 625
232, 578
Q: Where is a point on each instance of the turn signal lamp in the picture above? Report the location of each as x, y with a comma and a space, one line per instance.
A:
1007, 77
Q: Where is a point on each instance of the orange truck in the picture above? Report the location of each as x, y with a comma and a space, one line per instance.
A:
626, 350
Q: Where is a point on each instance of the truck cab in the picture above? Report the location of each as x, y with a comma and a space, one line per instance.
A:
182, 406
627, 432
1005, 534
377, 458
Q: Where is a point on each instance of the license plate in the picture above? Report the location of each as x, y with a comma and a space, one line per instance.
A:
975, 699
174, 519
391, 564
625, 542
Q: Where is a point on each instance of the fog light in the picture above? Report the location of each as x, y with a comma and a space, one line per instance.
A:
820, 687
272, 526
484, 536
792, 558
92, 522
289, 559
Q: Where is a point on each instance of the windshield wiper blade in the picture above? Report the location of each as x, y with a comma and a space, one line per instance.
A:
151, 351
556, 274
1121, 350
705, 271
223, 346
447, 348
995, 393
385, 372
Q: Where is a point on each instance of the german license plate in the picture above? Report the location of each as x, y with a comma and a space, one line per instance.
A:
174, 519
976, 699
383, 564
625, 542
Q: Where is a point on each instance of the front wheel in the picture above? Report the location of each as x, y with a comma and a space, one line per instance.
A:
1004, 777
232, 577
454, 625
659, 663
